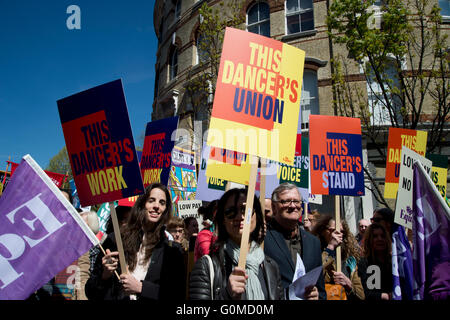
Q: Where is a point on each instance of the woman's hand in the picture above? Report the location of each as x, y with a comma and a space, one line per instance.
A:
335, 241
340, 278
110, 263
236, 283
130, 284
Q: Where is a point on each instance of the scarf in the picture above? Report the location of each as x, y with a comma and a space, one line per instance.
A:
255, 257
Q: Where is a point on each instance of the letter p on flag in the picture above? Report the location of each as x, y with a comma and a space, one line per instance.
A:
37, 221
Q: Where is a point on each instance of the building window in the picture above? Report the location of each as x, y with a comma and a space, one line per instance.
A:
178, 10
309, 102
299, 16
377, 102
258, 19
445, 8
173, 64
202, 54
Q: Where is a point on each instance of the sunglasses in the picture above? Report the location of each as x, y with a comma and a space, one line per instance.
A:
376, 220
232, 212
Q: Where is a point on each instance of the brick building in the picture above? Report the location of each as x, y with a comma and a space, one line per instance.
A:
300, 23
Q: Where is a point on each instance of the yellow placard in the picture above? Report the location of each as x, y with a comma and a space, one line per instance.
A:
439, 177
228, 165
257, 99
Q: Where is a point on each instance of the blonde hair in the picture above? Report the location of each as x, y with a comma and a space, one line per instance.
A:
91, 219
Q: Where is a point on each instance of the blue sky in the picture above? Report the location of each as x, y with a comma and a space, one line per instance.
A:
42, 61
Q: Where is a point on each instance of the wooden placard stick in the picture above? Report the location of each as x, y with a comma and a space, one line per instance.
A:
305, 216
248, 211
262, 190
228, 186
338, 227
123, 262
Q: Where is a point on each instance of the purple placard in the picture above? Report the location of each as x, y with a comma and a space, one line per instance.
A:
41, 233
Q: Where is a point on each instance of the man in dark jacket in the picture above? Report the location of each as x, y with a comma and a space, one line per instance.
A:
285, 239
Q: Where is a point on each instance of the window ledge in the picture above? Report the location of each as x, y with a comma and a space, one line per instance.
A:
297, 35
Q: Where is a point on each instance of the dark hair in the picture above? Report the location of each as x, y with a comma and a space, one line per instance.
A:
222, 232
320, 226
208, 211
137, 225
349, 244
120, 212
188, 221
368, 241
387, 214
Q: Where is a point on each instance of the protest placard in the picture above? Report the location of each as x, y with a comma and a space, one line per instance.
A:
228, 165
336, 156
182, 182
208, 188
415, 140
189, 208
57, 178
439, 172
257, 98
296, 174
40, 230
404, 205
157, 151
100, 144
101, 149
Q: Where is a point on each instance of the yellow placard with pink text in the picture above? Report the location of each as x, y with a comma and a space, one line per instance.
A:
257, 98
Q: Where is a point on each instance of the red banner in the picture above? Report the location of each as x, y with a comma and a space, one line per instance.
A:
57, 178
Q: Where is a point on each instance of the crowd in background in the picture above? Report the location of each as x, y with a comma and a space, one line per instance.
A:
168, 257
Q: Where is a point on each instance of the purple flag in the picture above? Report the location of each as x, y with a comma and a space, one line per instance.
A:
431, 255
402, 268
41, 233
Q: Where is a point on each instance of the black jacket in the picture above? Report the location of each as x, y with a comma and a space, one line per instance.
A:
370, 278
200, 284
165, 278
275, 247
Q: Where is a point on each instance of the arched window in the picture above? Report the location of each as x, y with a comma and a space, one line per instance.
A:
173, 64
258, 19
309, 102
376, 100
200, 43
299, 16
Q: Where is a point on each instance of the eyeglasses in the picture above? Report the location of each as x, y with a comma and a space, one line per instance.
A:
231, 212
377, 219
286, 203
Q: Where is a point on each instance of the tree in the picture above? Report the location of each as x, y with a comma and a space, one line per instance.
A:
60, 164
210, 34
404, 61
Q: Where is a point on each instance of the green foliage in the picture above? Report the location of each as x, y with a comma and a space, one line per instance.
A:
212, 23
412, 41
60, 163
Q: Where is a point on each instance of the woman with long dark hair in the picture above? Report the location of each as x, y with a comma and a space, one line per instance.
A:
330, 239
260, 280
155, 265
375, 267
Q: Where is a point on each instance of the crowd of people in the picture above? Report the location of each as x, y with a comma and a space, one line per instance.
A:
168, 257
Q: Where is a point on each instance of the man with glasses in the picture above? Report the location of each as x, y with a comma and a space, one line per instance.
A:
290, 246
